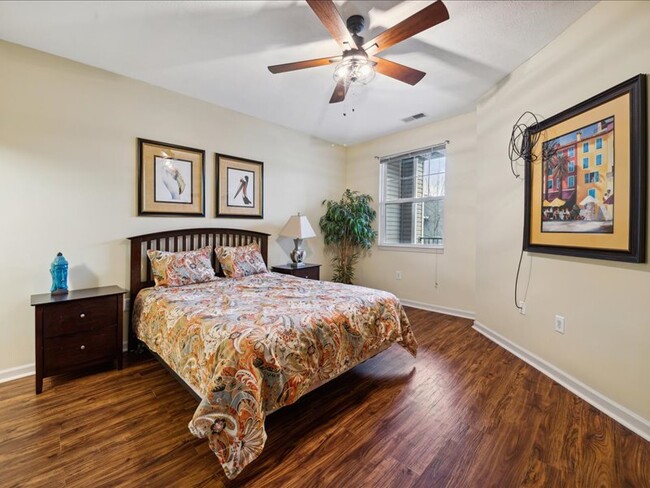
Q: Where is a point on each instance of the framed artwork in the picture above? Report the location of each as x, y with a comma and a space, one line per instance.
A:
586, 178
171, 179
240, 187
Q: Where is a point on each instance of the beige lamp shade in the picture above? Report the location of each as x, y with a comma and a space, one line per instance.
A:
298, 228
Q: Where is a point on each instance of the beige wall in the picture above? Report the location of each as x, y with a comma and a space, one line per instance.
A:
606, 305
68, 163
456, 265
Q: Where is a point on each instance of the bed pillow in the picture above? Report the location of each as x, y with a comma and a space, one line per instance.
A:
241, 261
181, 268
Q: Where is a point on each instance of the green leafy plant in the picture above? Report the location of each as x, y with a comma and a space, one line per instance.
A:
348, 232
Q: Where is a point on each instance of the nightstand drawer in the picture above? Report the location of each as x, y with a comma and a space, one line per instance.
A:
72, 350
309, 273
82, 315
308, 270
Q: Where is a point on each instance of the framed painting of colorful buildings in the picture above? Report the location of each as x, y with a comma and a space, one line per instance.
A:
585, 191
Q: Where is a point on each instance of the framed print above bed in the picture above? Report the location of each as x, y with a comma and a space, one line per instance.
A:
240, 187
585, 192
171, 179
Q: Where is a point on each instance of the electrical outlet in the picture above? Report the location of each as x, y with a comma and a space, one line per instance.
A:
398, 275
559, 324
522, 307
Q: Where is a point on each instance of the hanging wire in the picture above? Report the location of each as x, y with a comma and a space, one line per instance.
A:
520, 147
436, 274
351, 97
521, 255
522, 141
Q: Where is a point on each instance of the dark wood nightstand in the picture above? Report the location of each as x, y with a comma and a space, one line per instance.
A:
79, 329
307, 270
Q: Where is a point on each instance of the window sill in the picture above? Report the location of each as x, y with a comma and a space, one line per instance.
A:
413, 248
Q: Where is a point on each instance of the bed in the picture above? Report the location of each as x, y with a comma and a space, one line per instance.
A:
247, 346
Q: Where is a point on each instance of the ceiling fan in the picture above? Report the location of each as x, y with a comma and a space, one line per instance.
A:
359, 62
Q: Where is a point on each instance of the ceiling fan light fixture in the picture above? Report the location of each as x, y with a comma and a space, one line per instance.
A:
354, 69
354, 65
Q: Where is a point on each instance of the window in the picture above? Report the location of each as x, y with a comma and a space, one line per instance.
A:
550, 184
592, 177
585, 147
599, 159
592, 192
412, 196
571, 181
572, 166
585, 163
572, 152
599, 143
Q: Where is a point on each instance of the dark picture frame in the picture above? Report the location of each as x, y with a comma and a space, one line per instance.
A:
171, 179
239, 187
585, 178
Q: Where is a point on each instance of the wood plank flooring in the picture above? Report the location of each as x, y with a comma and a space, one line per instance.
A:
466, 413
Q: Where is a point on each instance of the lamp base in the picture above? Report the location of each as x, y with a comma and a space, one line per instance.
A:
298, 254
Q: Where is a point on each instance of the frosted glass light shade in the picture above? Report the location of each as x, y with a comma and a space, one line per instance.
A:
354, 69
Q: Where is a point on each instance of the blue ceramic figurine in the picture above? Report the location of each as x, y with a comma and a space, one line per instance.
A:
59, 272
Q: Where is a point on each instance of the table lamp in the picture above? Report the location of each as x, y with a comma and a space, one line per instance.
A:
298, 228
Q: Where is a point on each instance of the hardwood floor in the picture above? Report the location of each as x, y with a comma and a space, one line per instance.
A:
466, 413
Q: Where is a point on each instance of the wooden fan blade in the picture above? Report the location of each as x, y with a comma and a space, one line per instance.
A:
424, 19
309, 63
339, 92
398, 71
326, 11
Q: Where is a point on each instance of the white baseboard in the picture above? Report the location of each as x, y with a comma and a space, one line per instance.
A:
609, 407
437, 308
17, 372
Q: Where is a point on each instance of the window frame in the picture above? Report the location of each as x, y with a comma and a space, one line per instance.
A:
571, 181
381, 244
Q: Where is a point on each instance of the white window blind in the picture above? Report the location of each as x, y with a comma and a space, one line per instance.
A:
412, 198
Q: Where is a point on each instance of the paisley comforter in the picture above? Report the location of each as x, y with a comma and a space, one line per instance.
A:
251, 345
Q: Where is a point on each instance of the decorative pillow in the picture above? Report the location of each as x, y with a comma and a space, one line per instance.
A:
181, 268
241, 261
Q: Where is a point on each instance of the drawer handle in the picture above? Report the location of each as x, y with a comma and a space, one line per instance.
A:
83, 347
83, 315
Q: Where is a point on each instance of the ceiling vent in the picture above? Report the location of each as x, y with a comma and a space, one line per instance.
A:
413, 117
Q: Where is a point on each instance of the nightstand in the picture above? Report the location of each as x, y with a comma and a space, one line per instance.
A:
76, 330
307, 270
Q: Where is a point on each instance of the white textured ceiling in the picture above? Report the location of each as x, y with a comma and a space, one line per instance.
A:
219, 51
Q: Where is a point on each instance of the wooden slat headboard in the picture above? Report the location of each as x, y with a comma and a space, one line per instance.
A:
184, 240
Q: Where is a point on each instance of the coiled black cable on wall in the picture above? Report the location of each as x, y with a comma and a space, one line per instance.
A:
522, 140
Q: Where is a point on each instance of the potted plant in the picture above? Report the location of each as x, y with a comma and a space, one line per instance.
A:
348, 232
